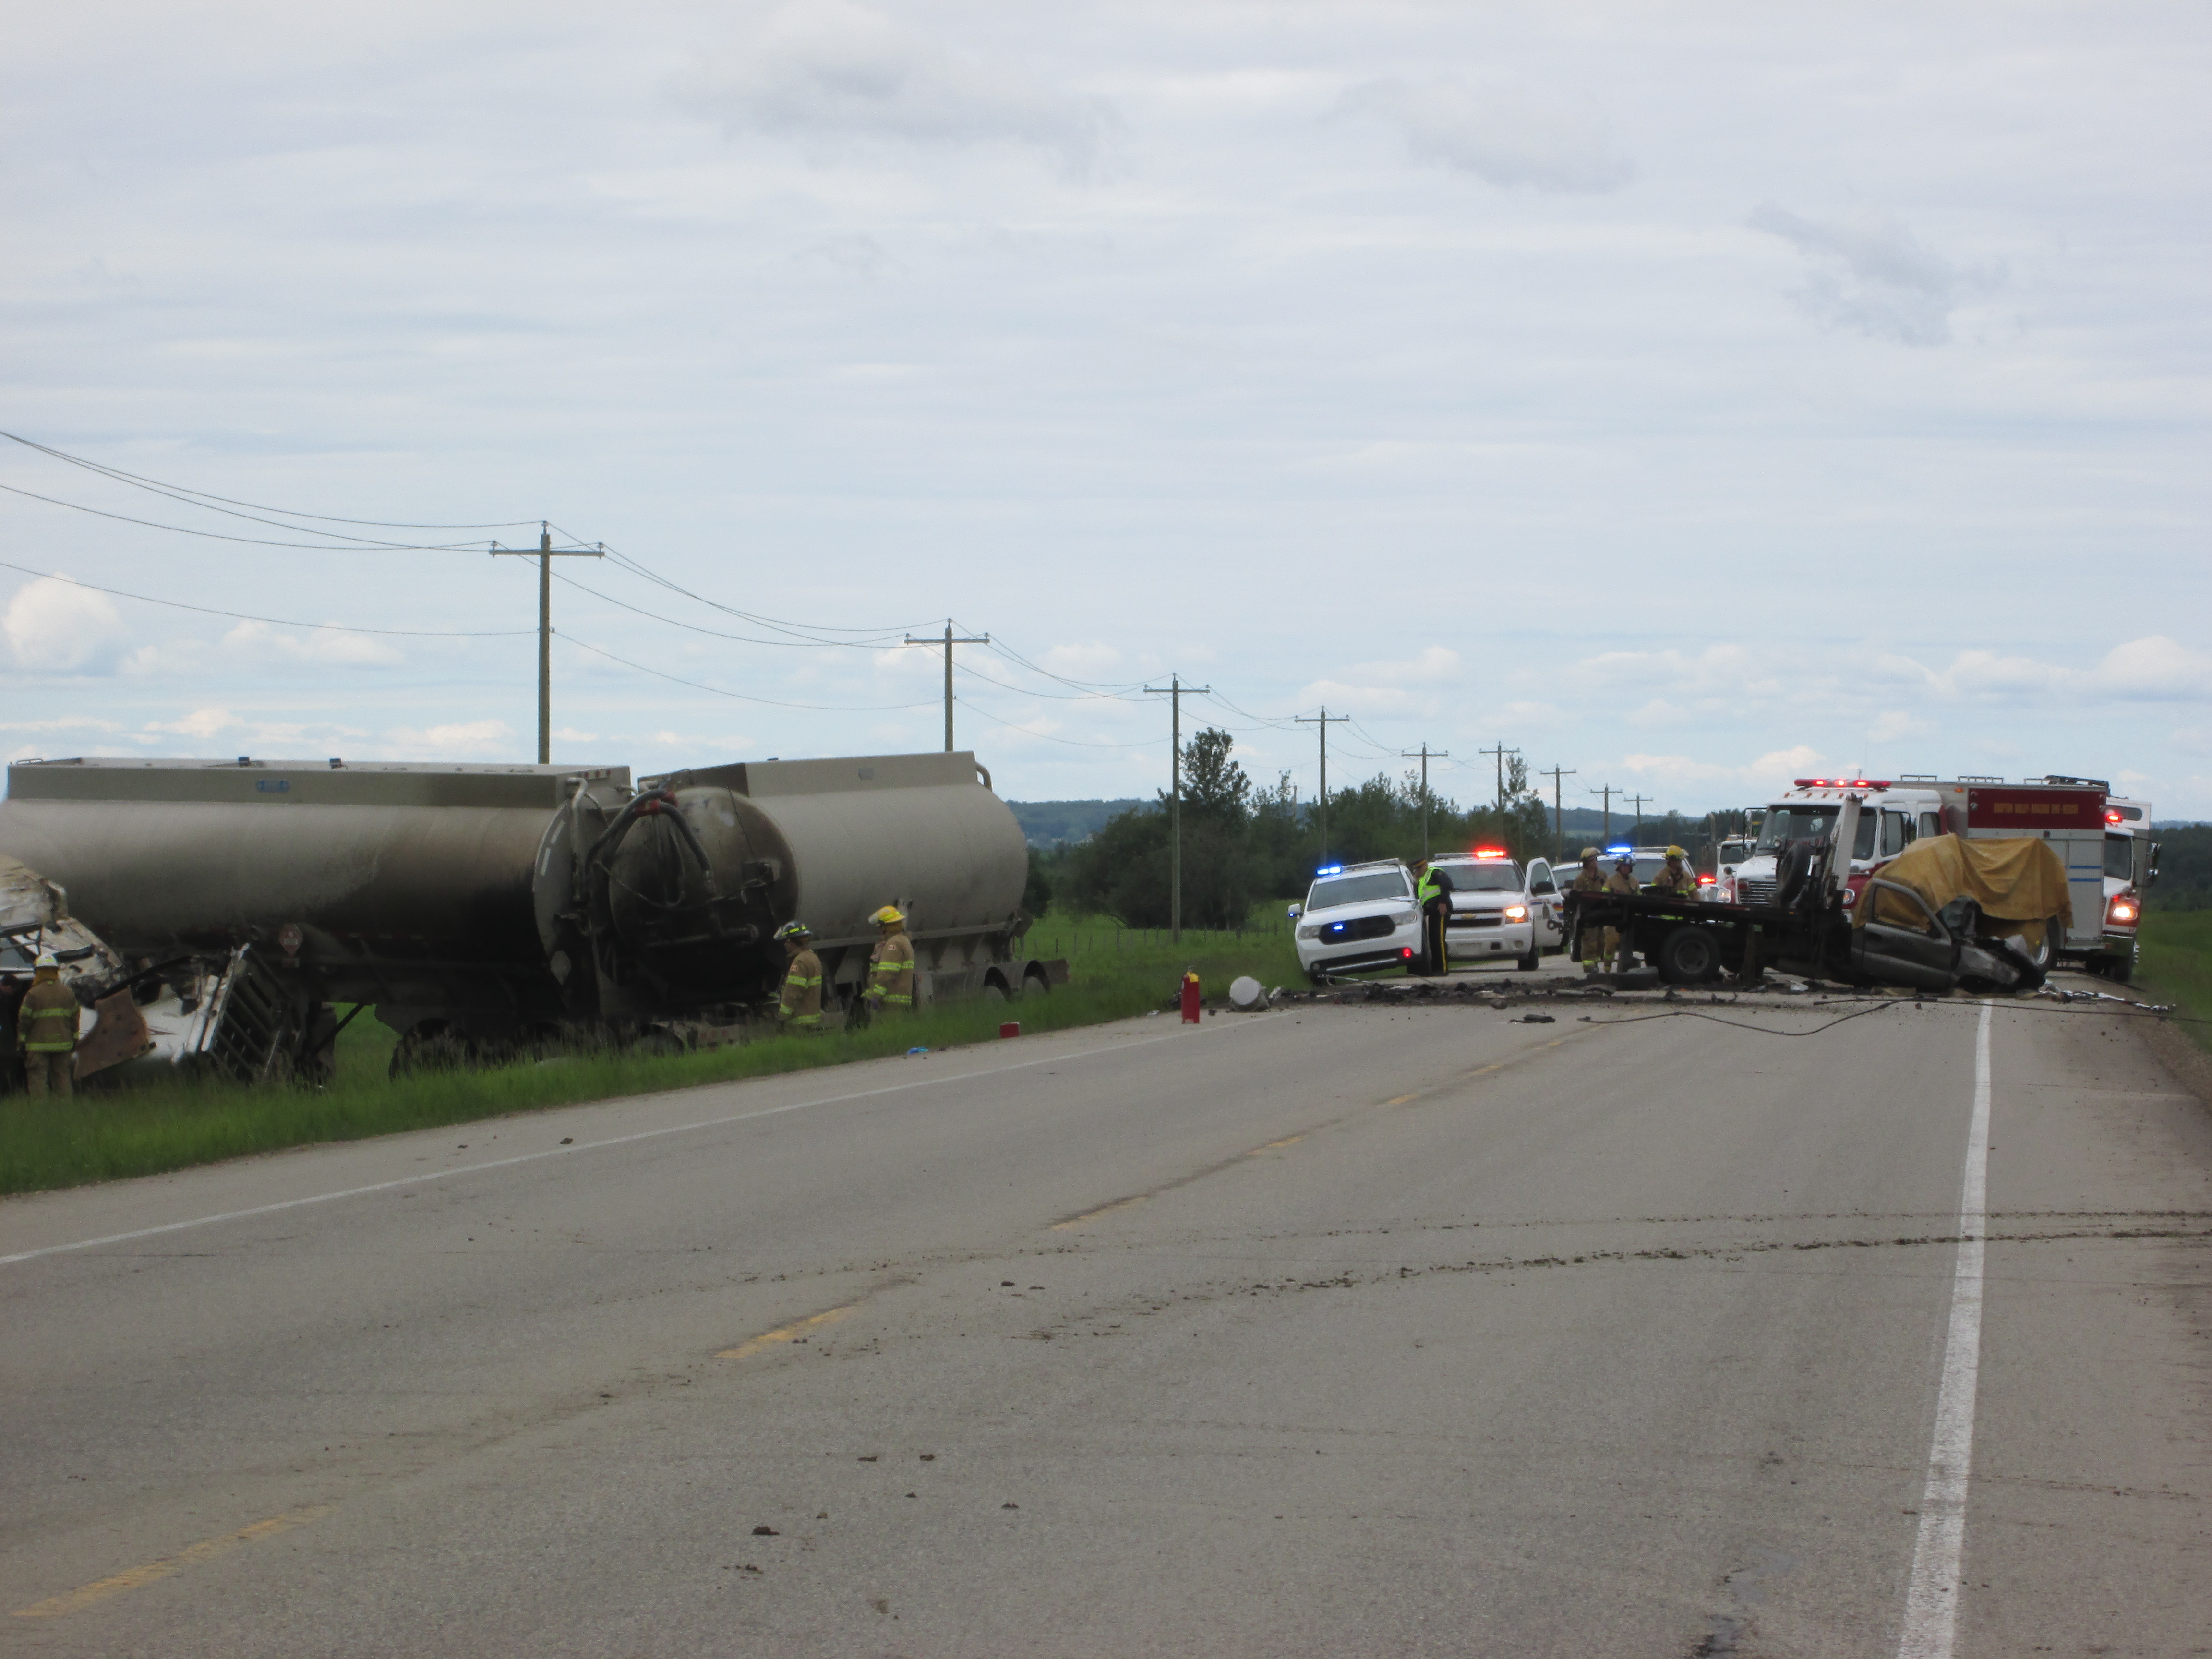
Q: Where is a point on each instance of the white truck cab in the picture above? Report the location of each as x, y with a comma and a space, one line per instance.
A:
2130, 867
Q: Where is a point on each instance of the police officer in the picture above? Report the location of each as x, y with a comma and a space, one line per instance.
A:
1432, 891
1622, 884
1675, 878
800, 1008
1590, 879
890, 965
45, 1030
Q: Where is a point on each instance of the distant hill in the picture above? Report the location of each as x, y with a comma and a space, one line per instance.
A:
1046, 823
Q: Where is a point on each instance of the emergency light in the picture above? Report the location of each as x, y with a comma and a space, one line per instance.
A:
1330, 870
1620, 849
1490, 852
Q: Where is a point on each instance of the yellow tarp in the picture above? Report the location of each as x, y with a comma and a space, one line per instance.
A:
2016, 880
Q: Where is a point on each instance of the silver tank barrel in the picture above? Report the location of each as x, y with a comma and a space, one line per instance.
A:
854, 834
163, 855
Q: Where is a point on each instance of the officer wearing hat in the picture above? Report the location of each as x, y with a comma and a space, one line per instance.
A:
1590, 879
800, 1008
891, 964
46, 1030
1675, 878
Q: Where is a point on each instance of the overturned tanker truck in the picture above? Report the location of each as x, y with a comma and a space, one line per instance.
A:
483, 910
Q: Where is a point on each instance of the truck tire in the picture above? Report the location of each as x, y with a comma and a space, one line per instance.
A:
1688, 956
2121, 969
2043, 958
1532, 962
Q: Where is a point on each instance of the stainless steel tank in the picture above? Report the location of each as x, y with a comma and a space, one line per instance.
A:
386, 882
677, 899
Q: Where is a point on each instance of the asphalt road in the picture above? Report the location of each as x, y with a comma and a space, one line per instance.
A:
1343, 1331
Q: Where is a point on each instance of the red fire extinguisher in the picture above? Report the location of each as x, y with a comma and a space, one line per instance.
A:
1190, 1009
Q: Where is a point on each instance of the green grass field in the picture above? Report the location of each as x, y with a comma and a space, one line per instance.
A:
108, 1133
2176, 963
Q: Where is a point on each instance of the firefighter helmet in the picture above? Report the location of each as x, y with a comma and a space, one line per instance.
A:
794, 929
48, 959
889, 916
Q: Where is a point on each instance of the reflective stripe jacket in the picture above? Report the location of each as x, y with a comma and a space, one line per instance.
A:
1589, 881
1682, 885
46, 1024
891, 971
801, 1002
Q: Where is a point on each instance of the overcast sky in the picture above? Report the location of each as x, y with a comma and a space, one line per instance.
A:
1690, 396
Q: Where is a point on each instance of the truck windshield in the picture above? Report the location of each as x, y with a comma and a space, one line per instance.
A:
2120, 857
1492, 876
1812, 821
1371, 888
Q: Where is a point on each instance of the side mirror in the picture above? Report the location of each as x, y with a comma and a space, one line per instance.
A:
1544, 887
1296, 911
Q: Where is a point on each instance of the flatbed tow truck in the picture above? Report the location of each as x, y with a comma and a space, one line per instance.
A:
1813, 927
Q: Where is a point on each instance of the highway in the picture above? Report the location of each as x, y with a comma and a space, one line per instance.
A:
1340, 1330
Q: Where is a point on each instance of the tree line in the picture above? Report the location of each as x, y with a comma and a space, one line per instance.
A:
1243, 843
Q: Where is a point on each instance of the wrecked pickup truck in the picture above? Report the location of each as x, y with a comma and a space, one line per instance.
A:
1946, 913
35, 918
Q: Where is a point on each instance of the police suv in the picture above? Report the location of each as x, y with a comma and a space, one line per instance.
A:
1357, 917
1497, 910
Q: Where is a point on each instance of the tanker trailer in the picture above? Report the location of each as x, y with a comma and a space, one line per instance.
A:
261, 893
664, 909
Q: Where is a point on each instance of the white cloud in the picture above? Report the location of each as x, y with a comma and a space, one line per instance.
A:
467, 740
1503, 135
324, 647
826, 71
200, 723
53, 626
1867, 273
1772, 770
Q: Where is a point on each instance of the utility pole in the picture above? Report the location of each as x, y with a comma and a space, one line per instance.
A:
1426, 754
1559, 815
1501, 751
1639, 800
1324, 721
545, 553
1609, 792
980, 638
1173, 691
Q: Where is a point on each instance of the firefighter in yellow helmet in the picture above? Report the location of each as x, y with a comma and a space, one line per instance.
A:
1592, 940
1675, 878
800, 1007
890, 965
46, 1030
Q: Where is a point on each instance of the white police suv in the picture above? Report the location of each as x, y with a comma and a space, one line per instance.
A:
1493, 912
1357, 917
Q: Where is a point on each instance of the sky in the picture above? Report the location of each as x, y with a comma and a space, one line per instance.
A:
1690, 397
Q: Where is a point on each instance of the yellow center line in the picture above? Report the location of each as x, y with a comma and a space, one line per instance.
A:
1401, 1100
1275, 1145
790, 1332
76, 1601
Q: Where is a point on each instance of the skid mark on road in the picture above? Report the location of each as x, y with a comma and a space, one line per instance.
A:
791, 1333
101, 1589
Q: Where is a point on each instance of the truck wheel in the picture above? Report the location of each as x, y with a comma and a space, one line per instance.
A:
2122, 969
2045, 956
1532, 962
1688, 957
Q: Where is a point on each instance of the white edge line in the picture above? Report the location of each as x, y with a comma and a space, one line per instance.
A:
1931, 1598
429, 1175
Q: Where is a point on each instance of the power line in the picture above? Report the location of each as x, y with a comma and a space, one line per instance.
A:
273, 622
1078, 743
773, 702
361, 544
179, 491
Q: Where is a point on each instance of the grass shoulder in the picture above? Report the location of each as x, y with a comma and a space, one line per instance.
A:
2175, 964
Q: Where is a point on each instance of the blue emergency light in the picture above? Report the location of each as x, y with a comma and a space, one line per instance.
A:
1620, 849
1330, 870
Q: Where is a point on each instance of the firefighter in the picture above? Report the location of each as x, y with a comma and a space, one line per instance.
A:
45, 1030
1432, 891
890, 965
1621, 884
1591, 940
800, 1008
1675, 878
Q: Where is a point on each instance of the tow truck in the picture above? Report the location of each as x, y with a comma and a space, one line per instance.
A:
1807, 922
